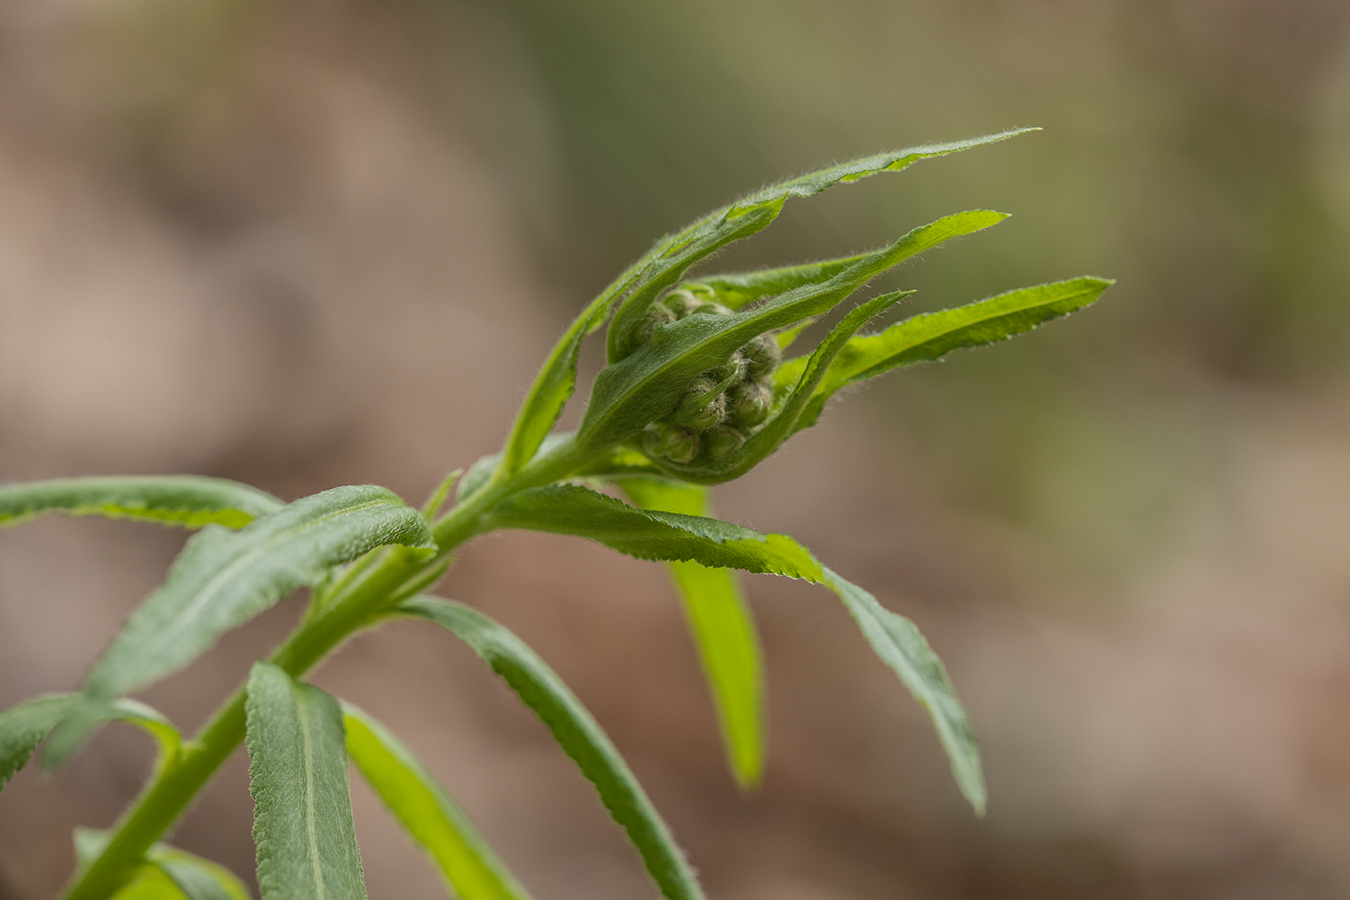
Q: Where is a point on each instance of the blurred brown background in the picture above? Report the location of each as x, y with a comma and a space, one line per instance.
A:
320, 242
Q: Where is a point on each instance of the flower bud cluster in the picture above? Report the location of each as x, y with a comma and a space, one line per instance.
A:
723, 406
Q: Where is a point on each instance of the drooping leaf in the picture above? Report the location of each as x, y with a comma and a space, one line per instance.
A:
648, 384
430, 815
648, 534
191, 876
189, 501
302, 811
576, 731
222, 579
665, 264
723, 629
931, 336
23, 727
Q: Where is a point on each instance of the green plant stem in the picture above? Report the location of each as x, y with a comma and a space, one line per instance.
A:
358, 605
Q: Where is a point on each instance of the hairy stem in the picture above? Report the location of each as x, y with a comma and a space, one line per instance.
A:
357, 604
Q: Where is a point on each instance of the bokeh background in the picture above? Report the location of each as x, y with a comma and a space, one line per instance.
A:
310, 242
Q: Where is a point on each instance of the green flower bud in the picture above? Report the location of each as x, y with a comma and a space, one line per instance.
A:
657, 315
764, 355
682, 303
748, 404
721, 442
679, 445
712, 308
703, 407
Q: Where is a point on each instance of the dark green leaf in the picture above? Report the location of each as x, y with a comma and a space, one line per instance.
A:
430, 815
302, 812
723, 630
930, 336
579, 735
648, 385
222, 579
647, 534
186, 500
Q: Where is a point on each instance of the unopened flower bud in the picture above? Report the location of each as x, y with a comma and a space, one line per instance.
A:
682, 303
703, 407
721, 442
764, 355
679, 445
748, 404
657, 315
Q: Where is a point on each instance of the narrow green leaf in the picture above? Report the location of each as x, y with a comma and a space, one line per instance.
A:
723, 629
302, 812
662, 266
930, 336
648, 384
576, 731
189, 501
648, 534
743, 288
222, 579
24, 726
430, 815
705, 236
189, 875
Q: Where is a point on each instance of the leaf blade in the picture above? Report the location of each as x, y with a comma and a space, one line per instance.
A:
298, 778
430, 815
25, 726
188, 501
723, 630
647, 534
577, 733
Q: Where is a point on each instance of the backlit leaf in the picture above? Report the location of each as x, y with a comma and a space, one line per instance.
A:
189, 501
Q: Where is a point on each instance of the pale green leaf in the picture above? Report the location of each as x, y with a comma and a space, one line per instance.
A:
576, 731
743, 288
24, 726
430, 815
302, 812
930, 336
189, 501
222, 579
723, 629
648, 384
648, 534
191, 876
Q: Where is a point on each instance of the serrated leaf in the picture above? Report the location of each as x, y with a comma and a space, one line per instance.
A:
192, 877
302, 811
648, 384
576, 731
430, 815
930, 336
662, 266
189, 501
723, 630
23, 727
647, 534
222, 579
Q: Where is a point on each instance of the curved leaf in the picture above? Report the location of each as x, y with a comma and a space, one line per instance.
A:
723, 629
741, 289
648, 384
302, 811
222, 579
576, 731
189, 501
665, 264
647, 534
930, 336
189, 875
429, 814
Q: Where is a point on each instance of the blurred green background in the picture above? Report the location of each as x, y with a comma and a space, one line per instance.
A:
307, 243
